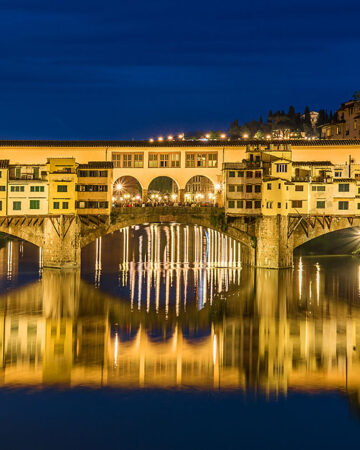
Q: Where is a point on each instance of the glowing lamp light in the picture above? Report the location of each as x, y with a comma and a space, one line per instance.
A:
211, 196
160, 138
223, 136
268, 136
138, 197
207, 136
170, 138
173, 196
113, 199
181, 136
217, 187
121, 199
119, 187
151, 140
245, 136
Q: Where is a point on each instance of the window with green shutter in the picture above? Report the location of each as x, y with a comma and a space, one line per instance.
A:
17, 206
34, 204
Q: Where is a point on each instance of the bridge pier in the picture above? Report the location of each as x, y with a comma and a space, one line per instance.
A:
274, 250
61, 247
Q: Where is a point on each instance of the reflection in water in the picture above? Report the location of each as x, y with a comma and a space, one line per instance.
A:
272, 330
161, 264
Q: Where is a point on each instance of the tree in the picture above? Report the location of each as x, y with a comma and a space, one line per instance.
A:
356, 95
259, 135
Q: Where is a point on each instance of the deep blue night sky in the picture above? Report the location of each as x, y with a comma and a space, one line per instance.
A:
118, 69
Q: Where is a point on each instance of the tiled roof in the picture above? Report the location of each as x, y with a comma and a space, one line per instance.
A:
312, 163
147, 144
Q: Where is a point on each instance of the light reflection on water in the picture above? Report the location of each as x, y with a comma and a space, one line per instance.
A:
161, 322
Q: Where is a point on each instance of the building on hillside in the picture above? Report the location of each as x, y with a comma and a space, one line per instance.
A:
94, 188
62, 176
27, 190
289, 187
4, 174
347, 122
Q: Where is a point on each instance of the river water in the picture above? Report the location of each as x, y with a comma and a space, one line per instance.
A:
164, 341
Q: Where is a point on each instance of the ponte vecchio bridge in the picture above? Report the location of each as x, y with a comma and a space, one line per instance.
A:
266, 241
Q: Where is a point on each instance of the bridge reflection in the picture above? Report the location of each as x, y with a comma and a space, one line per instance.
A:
265, 335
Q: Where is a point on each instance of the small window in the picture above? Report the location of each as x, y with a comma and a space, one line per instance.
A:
56, 205
269, 205
248, 204
249, 188
320, 204
296, 203
269, 186
279, 205
344, 205
231, 203
281, 168
358, 206
321, 188
257, 187
239, 188
299, 187
231, 174
34, 204
240, 174
240, 203
338, 174
231, 187
17, 206
257, 174
344, 187
257, 204
65, 205
62, 188
249, 174
0, 205
2, 188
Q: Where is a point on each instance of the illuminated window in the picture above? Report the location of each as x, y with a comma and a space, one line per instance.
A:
127, 160
138, 160
190, 160
212, 160
153, 160
175, 159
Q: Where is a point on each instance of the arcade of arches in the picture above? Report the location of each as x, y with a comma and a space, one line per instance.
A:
164, 189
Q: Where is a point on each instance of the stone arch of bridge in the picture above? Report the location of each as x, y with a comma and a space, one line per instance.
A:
184, 216
29, 235
313, 228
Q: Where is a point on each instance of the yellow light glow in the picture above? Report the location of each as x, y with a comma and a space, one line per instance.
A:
181, 136
223, 136
160, 138
151, 140
119, 187
173, 196
245, 136
217, 187
207, 136
170, 138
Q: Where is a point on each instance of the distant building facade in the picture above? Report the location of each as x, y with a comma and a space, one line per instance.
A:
347, 123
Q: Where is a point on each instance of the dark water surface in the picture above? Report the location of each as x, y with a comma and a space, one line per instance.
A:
163, 342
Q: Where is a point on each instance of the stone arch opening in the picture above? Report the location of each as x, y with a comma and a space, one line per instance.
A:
163, 189
200, 189
127, 190
341, 241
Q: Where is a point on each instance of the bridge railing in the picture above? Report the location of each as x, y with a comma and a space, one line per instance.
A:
206, 210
